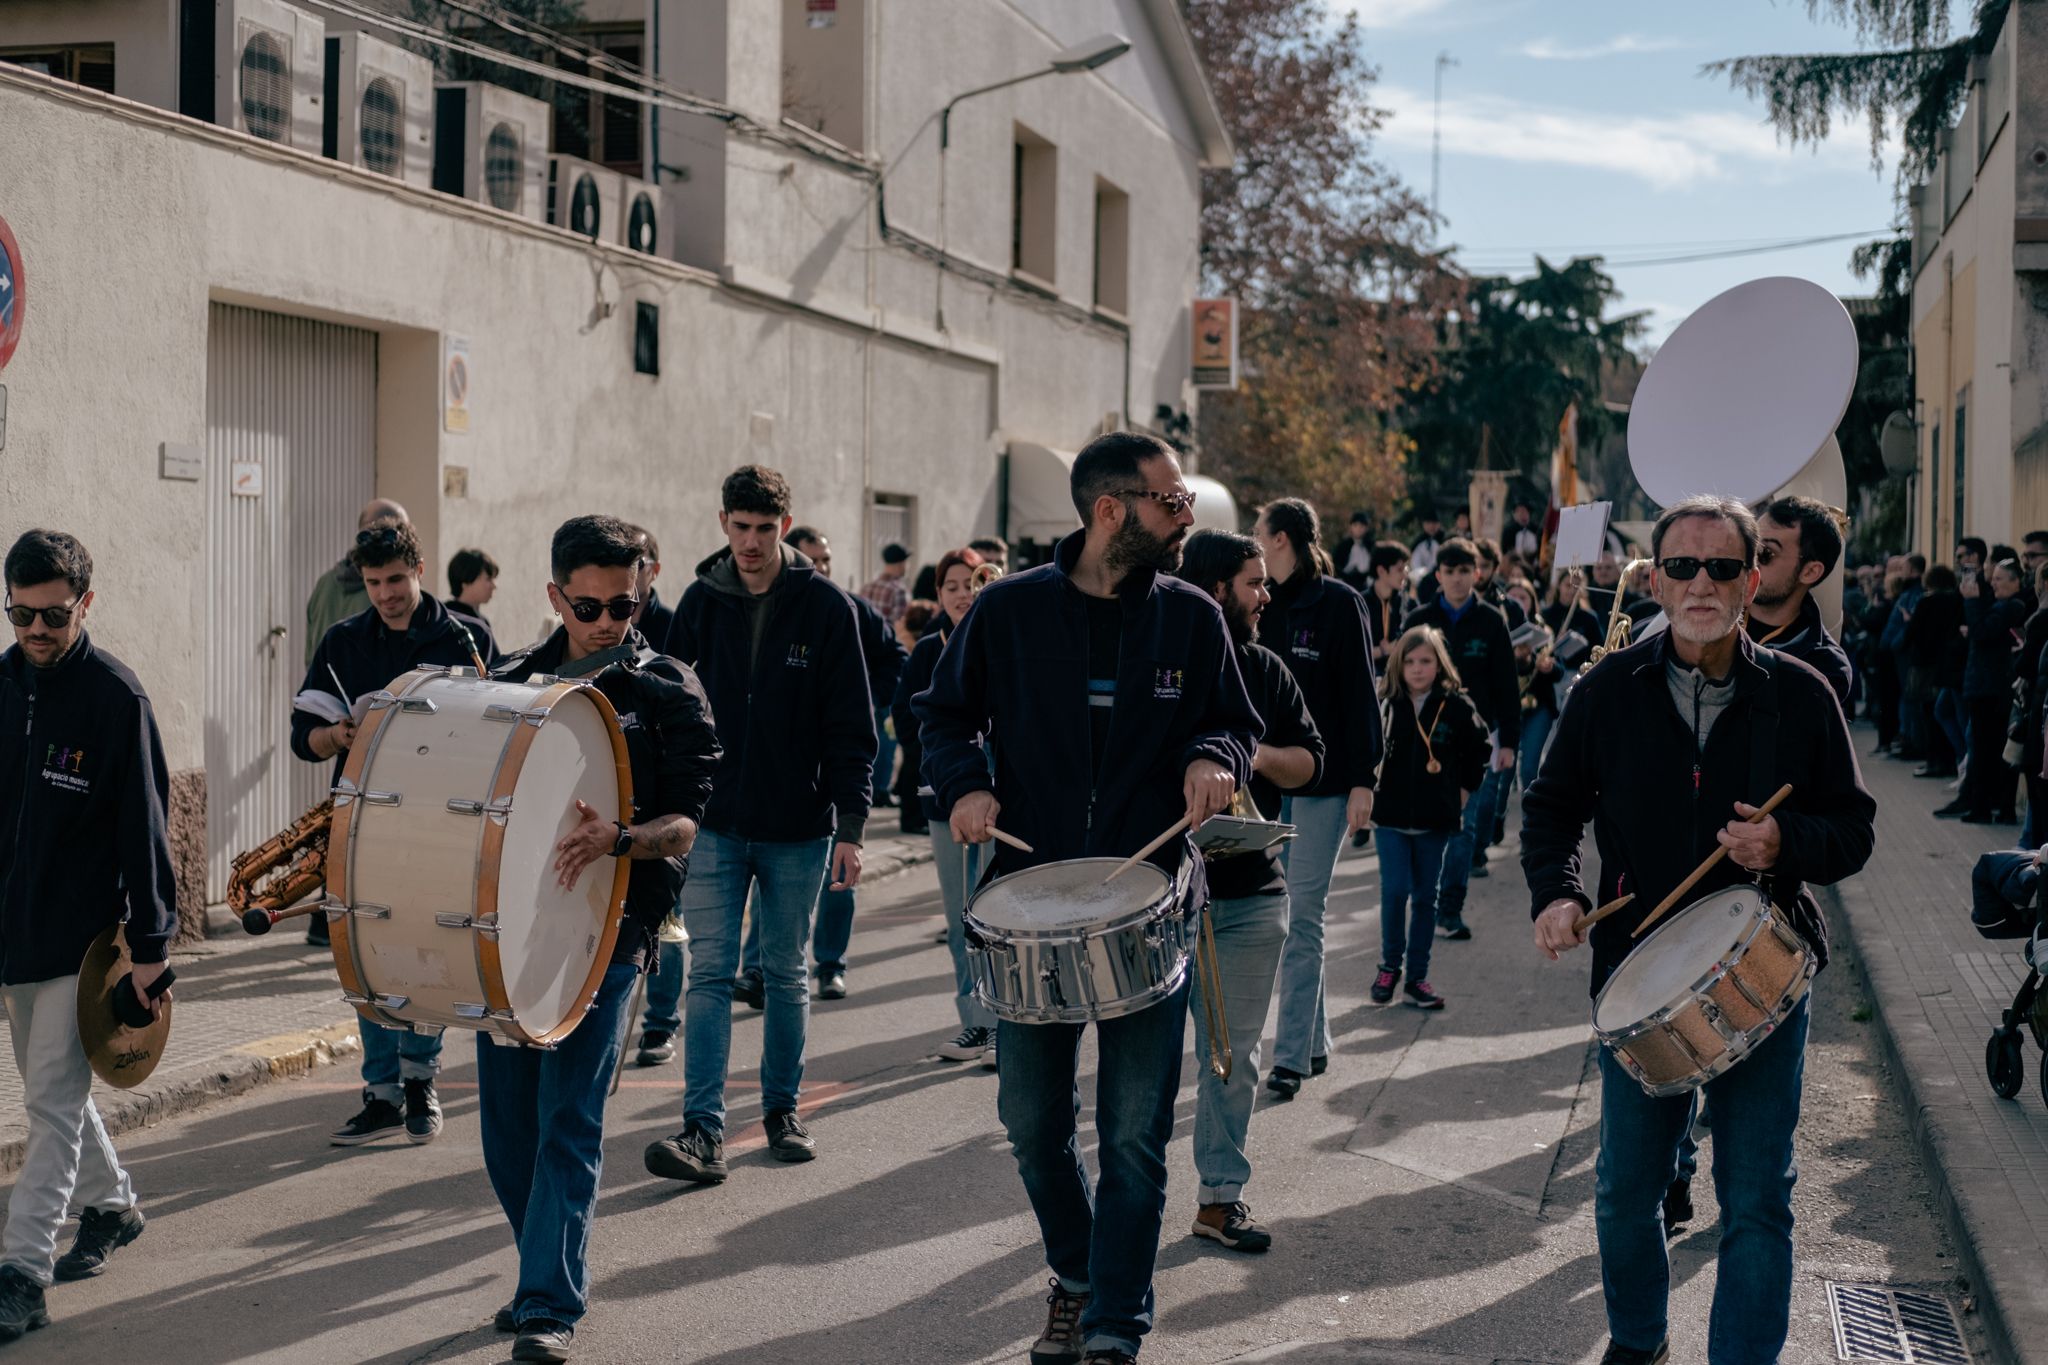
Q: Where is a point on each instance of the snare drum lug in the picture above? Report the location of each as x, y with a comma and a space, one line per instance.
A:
480, 1012
382, 1002
512, 715
381, 798
1747, 992
423, 706
453, 920
380, 701
369, 910
428, 1030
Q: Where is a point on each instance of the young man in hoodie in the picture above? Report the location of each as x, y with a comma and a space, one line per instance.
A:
777, 648
84, 785
403, 629
1801, 544
338, 593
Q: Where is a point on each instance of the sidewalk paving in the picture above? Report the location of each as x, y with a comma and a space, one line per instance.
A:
1939, 990
254, 1010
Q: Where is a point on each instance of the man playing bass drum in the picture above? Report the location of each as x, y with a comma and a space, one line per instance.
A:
1668, 746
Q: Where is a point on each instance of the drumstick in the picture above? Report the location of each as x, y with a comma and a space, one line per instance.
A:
1712, 858
346, 699
1147, 851
1587, 921
1012, 840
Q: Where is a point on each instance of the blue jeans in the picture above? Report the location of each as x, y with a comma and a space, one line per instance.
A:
723, 867
1249, 933
1410, 865
542, 1114
1756, 1108
395, 1055
1309, 858
1535, 734
885, 748
957, 879
664, 1012
1106, 1240
1478, 825
1953, 720
829, 941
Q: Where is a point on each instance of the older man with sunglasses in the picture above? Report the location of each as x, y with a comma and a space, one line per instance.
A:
402, 629
1668, 747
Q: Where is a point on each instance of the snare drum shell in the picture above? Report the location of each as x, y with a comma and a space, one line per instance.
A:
444, 897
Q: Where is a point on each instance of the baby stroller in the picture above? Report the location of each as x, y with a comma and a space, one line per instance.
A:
2007, 891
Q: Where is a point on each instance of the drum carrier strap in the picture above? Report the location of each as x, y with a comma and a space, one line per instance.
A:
1763, 745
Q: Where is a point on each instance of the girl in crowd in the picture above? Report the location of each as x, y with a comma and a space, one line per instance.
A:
1437, 752
959, 866
1316, 624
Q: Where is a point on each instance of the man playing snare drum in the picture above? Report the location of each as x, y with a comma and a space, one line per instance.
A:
1111, 697
1668, 746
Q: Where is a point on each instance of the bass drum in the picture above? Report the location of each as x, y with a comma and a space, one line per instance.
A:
444, 909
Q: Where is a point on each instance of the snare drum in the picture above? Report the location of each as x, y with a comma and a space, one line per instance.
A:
443, 907
1053, 945
1703, 991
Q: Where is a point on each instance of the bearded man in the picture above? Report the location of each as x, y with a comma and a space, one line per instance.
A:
1109, 697
1800, 542
1668, 747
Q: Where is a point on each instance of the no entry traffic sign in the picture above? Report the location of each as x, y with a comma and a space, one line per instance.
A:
13, 294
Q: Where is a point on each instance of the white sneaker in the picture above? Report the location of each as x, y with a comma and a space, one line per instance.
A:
969, 1044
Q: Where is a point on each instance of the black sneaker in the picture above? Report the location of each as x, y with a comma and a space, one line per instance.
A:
1453, 927
969, 1044
656, 1046
1383, 983
832, 983
1232, 1225
1678, 1203
1422, 995
422, 1112
788, 1139
1317, 1065
503, 1321
543, 1339
696, 1154
1060, 1343
1283, 1083
749, 989
101, 1232
21, 1304
1109, 1356
316, 930
380, 1118
1618, 1354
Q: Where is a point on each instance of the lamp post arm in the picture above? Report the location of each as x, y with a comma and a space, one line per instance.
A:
946, 114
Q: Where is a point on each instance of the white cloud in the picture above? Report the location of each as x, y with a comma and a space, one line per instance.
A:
1550, 50
1668, 152
1393, 13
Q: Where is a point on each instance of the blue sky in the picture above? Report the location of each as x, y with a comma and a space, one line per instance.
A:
1580, 125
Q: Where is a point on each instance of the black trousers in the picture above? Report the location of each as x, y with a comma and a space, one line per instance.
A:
1990, 785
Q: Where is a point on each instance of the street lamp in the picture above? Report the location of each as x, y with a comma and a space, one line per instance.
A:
1097, 51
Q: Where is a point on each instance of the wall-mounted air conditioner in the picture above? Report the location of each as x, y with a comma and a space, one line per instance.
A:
491, 145
642, 223
583, 197
378, 107
256, 66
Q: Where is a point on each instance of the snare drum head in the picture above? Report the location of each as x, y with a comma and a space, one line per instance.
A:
1665, 966
1067, 895
547, 936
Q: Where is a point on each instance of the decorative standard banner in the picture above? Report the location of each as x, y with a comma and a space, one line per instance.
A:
1215, 344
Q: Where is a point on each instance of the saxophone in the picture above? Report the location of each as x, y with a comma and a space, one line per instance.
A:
281, 871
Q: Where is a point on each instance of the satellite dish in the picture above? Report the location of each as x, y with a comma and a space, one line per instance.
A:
1896, 440
1744, 393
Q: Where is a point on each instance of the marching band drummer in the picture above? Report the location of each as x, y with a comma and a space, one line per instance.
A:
84, 788
1111, 697
542, 1111
402, 629
1663, 745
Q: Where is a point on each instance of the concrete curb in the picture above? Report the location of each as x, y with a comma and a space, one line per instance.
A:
1993, 1242
293, 1054
245, 1068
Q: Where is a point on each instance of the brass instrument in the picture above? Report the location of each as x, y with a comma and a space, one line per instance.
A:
281, 871
1617, 621
984, 574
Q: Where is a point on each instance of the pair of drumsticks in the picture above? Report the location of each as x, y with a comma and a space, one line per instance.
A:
1125, 866
1587, 921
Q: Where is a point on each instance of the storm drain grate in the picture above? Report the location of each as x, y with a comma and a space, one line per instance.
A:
1877, 1322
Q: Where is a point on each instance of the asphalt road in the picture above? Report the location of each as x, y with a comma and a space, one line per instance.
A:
1430, 1198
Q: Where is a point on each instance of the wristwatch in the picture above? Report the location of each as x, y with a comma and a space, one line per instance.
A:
624, 843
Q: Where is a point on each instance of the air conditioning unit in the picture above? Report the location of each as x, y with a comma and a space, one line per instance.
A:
491, 145
584, 197
256, 66
642, 224
379, 110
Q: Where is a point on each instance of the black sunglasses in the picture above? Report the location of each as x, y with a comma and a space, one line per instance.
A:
1684, 568
588, 609
56, 618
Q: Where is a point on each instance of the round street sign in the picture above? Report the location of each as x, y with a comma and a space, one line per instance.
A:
13, 293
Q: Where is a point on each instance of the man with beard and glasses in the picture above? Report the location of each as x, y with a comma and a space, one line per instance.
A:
1248, 905
339, 593
1110, 696
1668, 747
1799, 544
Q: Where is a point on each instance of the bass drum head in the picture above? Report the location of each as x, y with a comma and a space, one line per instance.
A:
1067, 895
548, 937
1665, 967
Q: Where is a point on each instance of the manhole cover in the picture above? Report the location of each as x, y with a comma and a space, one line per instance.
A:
1877, 1322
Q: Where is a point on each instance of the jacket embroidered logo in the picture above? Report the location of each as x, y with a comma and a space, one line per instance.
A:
1167, 684
799, 656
